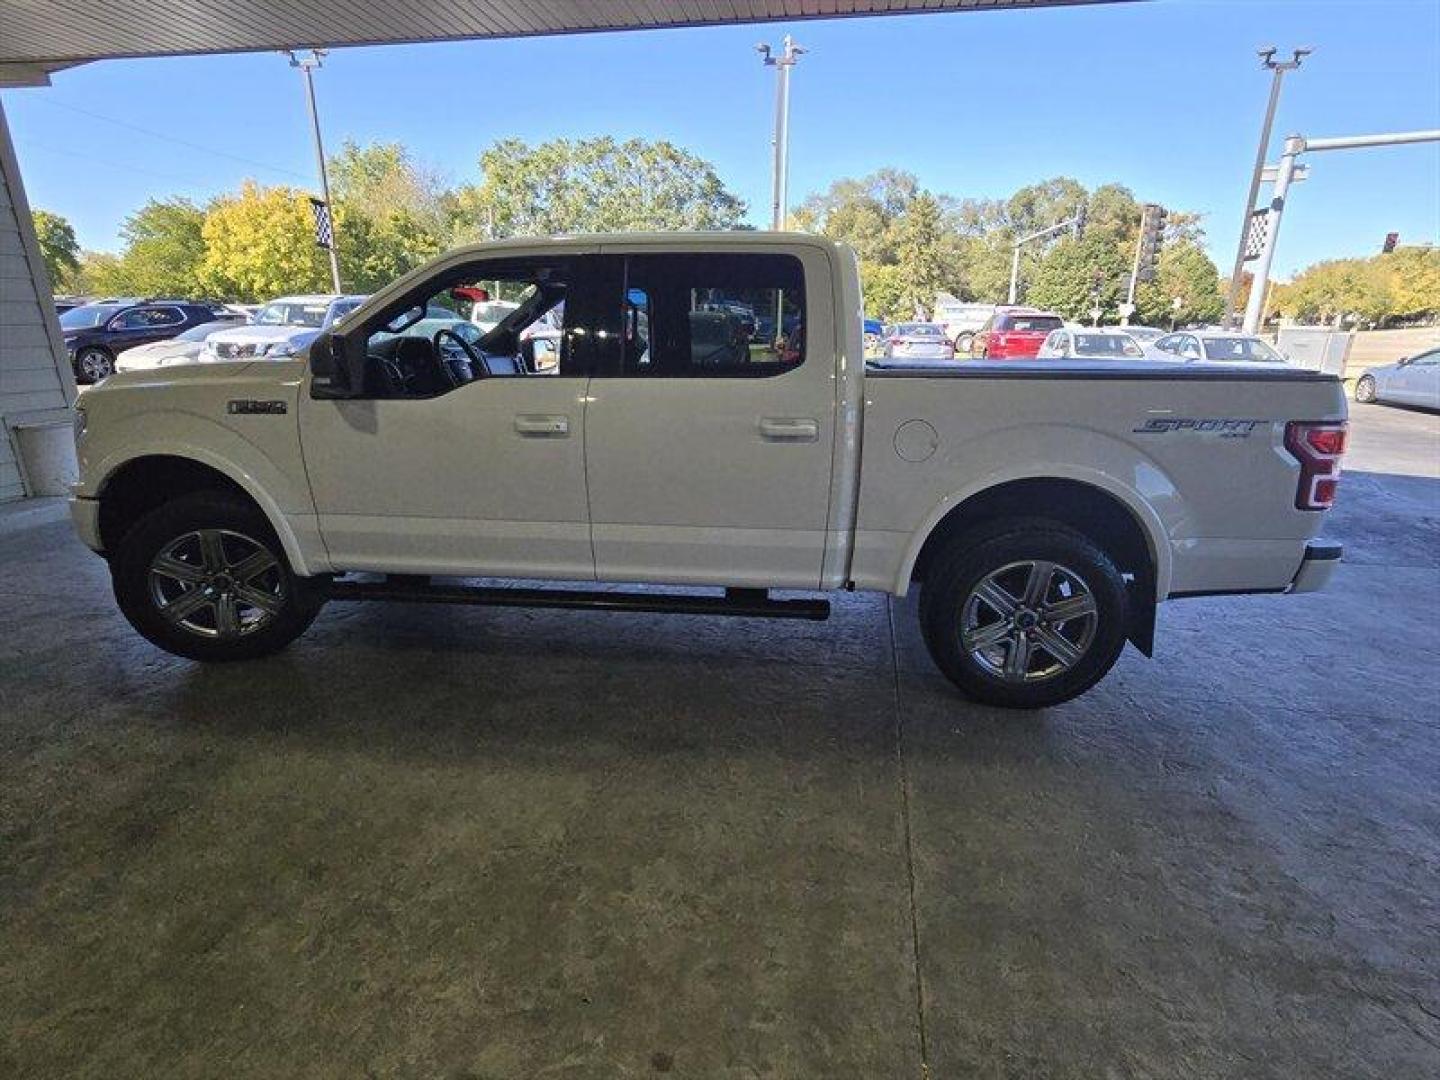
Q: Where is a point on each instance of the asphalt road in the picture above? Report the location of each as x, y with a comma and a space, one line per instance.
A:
492, 843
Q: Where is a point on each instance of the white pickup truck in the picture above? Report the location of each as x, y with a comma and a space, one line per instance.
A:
1043, 508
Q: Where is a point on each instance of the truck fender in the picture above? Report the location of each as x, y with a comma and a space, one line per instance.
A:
1141, 507
288, 507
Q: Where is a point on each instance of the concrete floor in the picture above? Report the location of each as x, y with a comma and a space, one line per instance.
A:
482, 843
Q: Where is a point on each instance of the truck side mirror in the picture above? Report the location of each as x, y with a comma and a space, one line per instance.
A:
337, 366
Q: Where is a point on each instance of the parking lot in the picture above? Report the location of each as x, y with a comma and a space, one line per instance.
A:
494, 843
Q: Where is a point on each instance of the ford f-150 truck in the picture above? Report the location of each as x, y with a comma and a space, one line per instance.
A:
1042, 509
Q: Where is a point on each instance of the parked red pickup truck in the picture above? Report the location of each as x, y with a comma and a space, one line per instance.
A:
1015, 333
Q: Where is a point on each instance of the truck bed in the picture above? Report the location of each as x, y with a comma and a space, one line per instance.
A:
1195, 452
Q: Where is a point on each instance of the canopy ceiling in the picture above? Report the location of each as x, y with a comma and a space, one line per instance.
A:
38, 37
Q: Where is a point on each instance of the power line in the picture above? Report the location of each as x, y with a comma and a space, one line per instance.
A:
171, 138
28, 144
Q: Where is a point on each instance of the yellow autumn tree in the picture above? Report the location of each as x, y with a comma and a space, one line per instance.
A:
260, 243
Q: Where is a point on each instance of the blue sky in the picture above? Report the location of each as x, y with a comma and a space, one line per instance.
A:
1164, 97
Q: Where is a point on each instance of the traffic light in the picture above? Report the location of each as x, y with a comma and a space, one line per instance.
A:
1081, 216
1152, 232
1391, 239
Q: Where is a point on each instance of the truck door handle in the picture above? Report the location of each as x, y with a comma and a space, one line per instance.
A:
543, 427
789, 429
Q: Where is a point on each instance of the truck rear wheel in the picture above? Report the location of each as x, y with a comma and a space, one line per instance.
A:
1024, 614
205, 577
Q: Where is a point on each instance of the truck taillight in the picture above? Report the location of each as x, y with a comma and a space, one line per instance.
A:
1318, 446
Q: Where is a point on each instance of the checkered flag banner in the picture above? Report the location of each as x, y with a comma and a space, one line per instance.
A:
1255, 234
324, 235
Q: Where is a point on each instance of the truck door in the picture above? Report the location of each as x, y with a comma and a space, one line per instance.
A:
710, 426
448, 466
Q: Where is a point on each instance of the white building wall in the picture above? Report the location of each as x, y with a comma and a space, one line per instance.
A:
36, 383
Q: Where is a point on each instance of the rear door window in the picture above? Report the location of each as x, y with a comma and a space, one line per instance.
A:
712, 316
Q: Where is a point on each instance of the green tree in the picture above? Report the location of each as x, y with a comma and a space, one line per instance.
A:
260, 243
1076, 275
864, 213
884, 292
594, 185
58, 247
1185, 272
920, 261
1337, 289
397, 213
164, 250
1046, 203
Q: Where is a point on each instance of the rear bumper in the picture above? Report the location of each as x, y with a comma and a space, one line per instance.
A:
1316, 569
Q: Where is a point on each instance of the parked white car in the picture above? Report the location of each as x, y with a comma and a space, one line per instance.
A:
1412, 380
1219, 347
1044, 509
1090, 344
281, 328
186, 348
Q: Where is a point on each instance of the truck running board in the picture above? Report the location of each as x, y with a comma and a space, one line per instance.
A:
752, 603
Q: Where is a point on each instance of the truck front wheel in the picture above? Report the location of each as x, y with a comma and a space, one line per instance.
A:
205, 577
1023, 614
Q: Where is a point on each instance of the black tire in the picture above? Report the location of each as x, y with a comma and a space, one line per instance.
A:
964, 342
1365, 389
93, 363
181, 530
1006, 548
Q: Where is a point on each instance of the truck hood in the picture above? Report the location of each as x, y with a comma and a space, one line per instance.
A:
188, 375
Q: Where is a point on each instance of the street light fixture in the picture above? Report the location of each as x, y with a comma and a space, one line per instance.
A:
789, 56
307, 66
1278, 68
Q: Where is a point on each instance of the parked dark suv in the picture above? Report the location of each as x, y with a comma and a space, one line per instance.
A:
95, 333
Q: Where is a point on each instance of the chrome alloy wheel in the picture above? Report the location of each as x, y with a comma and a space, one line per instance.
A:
95, 365
1029, 621
217, 583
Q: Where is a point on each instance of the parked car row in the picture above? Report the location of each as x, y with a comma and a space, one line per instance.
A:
95, 334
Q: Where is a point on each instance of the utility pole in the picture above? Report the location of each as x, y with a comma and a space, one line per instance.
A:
1077, 223
1285, 174
307, 66
1278, 69
789, 56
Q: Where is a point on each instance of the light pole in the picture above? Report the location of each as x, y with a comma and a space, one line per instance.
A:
307, 66
1285, 174
1278, 69
789, 56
